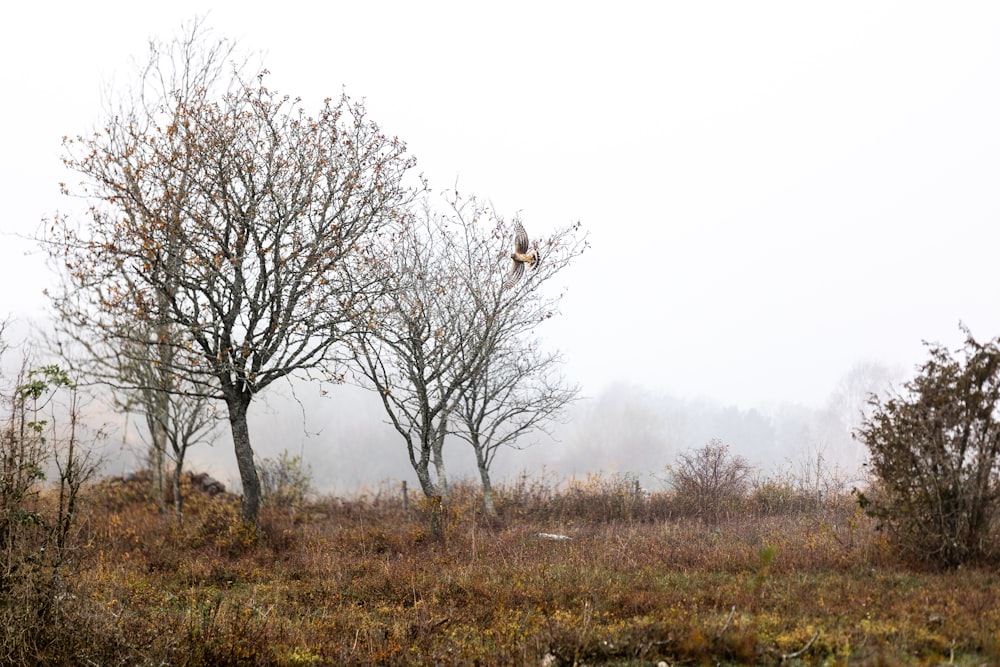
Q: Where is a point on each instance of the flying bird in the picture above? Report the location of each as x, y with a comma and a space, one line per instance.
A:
521, 256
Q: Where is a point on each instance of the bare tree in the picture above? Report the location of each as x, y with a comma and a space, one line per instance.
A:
409, 353
850, 401
448, 332
174, 419
226, 217
139, 369
709, 481
517, 390
516, 387
174, 415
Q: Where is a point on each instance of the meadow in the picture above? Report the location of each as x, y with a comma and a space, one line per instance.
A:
591, 571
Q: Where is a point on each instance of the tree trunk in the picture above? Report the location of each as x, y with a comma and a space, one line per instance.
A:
157, 449
484, 475
441, 472
160, 422
439, 466
432, 504
488, 505
238, 403
422, 468
176, 482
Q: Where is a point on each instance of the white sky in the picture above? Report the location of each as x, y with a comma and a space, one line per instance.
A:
774, 191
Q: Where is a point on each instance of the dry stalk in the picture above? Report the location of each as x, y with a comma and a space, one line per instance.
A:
795, 654
726, 624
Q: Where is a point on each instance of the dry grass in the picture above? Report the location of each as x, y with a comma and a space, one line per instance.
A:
359, 582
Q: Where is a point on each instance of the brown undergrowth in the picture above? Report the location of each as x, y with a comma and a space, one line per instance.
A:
360, 581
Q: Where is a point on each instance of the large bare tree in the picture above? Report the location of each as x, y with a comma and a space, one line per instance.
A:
449, 344
233, 222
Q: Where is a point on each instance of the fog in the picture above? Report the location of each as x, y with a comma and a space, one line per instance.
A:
345, 440
776, 193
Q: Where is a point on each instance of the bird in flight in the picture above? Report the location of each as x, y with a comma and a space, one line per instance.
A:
521, 256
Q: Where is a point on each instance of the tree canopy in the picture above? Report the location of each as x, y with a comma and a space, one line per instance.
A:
237, 228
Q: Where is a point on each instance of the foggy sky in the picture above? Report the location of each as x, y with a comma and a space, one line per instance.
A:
774, 192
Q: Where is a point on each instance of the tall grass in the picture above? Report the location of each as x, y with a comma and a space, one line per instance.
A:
361, 580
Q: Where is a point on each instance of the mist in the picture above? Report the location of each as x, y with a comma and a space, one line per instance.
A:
342, 435
778, 195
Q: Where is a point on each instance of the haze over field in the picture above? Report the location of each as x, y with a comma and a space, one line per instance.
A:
777, 194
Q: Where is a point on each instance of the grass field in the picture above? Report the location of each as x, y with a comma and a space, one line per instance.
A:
360, 581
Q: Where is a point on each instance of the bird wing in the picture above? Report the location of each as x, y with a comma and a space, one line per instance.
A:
516, 269
520, 239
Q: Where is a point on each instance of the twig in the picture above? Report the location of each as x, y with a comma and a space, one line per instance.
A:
795, 654
726, 624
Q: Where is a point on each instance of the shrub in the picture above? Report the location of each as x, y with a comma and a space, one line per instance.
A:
710, 482
934, 457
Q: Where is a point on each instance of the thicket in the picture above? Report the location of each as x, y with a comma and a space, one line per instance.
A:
44, 465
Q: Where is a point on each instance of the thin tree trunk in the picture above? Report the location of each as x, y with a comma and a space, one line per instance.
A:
432, 493
484, 476
156, 454
176, 481
488, 505
439, 465
421, 467
161, 419
442, 474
